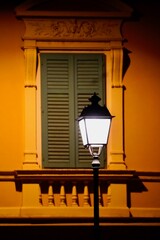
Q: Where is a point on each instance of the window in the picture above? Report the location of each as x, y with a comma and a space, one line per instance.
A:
67, 81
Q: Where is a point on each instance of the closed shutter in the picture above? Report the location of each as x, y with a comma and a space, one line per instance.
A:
90, 78
68, 80
56, 111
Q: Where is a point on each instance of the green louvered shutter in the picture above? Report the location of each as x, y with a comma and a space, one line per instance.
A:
90, 78
67, 81
57, 114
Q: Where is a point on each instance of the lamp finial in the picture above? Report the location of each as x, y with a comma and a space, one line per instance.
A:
94, 99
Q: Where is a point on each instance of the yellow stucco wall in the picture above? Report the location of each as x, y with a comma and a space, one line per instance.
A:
11, 91
142, 81
142, 112
11, 107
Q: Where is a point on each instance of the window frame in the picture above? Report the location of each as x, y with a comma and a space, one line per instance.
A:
77, 56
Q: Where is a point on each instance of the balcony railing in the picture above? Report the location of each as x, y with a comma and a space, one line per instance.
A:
69, 193
71, 187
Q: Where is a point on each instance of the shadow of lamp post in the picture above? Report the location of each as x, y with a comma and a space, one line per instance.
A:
94, 123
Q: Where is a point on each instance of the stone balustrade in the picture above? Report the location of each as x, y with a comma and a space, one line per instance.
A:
69, 193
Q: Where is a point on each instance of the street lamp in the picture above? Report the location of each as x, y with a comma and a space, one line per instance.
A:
94, 123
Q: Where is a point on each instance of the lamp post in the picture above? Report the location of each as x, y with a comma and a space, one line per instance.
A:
94, 123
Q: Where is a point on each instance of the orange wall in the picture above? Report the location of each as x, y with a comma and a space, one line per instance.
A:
11, 91
12, 100
142, 112
142, 95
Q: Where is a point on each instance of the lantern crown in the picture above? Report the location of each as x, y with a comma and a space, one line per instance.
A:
95, 109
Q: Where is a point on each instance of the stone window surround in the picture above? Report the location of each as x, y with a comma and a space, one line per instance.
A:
74, 35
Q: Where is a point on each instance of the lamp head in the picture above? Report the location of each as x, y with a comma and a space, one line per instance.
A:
94, 122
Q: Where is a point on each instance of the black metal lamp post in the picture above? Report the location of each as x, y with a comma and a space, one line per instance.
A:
94, 123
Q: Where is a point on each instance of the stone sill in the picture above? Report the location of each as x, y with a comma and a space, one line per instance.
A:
118, 176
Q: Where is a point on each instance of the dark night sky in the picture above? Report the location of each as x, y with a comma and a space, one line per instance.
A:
133, 3
141, 7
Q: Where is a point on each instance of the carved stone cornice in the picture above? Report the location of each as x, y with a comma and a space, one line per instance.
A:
73, 29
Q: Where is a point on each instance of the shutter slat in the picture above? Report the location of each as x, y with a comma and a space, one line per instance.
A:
58, 132
57, 73
87, 73
89, 80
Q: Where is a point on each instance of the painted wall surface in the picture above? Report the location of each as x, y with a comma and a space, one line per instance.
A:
11, 91
11, 102
142, 95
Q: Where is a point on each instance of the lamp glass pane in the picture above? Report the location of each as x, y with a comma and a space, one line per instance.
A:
83, 131
97, 131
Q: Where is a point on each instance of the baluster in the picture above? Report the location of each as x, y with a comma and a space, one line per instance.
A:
86, 195
99, 196
108, 196
40, 196
40, 199
62, 195
74, 195
50, 196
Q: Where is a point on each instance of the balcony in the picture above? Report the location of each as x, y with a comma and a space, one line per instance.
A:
66, 195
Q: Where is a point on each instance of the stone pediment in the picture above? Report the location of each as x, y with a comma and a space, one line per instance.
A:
72, 8
73, 20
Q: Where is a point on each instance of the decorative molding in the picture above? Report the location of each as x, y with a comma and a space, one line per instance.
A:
77, 174
30, 156
117, 65
30, 86
73, 29
118, 86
